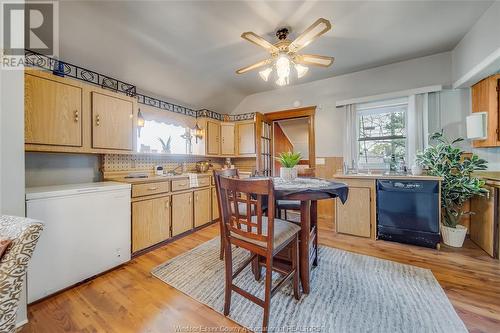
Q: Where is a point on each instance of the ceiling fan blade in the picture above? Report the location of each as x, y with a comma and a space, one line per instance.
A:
314, 60
254, 66
257, 40
314, 31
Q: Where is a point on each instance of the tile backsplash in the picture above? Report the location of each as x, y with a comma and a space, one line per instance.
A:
116, 162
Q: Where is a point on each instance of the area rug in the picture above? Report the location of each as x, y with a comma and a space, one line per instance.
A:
349, 293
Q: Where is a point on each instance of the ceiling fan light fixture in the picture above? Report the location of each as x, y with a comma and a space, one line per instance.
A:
282, 81
283, 68
301, 70
264, 74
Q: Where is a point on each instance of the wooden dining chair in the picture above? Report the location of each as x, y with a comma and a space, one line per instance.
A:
231, 173
264, 236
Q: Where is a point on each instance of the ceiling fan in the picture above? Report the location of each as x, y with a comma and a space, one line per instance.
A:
284, 53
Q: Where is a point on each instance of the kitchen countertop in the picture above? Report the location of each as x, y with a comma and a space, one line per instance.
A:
382, 176
154, 178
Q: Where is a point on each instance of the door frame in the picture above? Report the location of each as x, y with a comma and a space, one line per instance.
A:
304, 112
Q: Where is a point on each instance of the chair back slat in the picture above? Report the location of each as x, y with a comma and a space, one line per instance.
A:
250, 193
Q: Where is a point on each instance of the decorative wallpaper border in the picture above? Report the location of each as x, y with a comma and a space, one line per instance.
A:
35, 59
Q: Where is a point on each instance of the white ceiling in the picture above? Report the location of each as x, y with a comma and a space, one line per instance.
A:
187, 52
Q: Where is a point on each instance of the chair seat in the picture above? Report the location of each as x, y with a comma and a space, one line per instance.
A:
288, 204
283, 231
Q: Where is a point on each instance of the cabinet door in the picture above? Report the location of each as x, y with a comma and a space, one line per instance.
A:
215, 205
246, 139
213, 135
482, 224
112, 122
202, 207
52, 112
150, 222
353, 217
485, 98
227, 136
182, 213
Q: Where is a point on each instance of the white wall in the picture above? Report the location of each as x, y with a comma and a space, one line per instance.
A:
477, 55
12, 154
12, 143
453, 107
420, 72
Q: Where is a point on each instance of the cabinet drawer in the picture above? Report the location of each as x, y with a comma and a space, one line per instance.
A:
180, 184
149, 188
204, 181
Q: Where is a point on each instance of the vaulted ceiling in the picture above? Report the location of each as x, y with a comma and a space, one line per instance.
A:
187, 51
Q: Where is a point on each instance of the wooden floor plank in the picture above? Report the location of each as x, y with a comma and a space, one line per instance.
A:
129, 299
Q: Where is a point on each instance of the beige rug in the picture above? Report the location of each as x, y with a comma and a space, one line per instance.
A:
349, 293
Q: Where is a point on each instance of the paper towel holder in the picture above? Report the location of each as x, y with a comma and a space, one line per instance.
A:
477, 126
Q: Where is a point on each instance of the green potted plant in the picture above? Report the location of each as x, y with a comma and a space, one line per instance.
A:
288, 161
166, 148
444, 159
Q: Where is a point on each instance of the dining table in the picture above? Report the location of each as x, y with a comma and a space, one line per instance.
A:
308, 191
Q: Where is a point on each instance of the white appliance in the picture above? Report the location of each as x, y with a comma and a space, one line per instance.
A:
87, 231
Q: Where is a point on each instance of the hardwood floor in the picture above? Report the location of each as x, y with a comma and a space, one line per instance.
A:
129, 299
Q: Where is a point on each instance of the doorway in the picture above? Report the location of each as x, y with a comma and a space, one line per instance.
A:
293, 130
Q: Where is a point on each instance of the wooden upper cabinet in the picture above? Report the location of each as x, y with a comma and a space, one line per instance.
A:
227, 138
485, 98
202, 207
246, 138
112, 122
53, 112
213, 138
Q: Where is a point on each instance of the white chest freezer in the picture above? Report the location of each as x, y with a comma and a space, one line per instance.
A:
87, 231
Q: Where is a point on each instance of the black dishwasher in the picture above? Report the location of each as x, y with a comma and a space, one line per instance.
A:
408, 211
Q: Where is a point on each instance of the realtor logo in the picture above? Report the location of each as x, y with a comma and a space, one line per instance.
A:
30, 25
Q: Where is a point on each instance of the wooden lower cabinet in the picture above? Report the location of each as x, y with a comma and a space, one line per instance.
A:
215, 205
182, 213
483, 223
357, 216
202, 207
150, 222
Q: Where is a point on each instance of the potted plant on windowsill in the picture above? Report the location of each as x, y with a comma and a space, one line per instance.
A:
288, 161
445, 159
166, 146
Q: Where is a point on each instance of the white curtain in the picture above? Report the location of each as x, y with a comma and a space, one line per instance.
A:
417, 125
351, 135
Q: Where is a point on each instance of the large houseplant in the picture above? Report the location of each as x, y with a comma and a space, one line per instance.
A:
288, 161
445, 159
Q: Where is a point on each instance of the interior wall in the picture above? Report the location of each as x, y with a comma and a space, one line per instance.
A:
329, 120
12, 143
281, 143
43, 169
481, 43
297, 131
453, 106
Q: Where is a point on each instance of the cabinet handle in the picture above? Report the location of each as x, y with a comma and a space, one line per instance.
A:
97, 120
167, 205
152, 188
76, 115
189, 201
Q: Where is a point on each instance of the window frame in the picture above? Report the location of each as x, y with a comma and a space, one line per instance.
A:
364, 109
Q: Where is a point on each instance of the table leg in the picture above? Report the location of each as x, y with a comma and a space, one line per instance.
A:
314, 224
305, 216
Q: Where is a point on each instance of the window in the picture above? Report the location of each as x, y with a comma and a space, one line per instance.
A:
150, 134
382, 133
